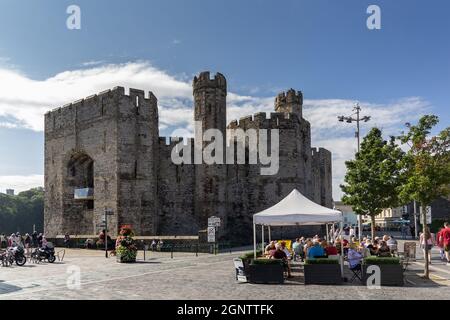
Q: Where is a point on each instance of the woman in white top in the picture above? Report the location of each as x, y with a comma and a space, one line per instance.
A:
426, 239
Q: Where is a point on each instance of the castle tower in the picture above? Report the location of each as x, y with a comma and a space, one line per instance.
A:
290, 102
210, 179
210, 101
101, 154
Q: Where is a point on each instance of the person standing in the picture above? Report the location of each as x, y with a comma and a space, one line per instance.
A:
3, 242
34, 238
67, 240
446, 239
39, 240
351, 232
426, 239
440, 244
27, 242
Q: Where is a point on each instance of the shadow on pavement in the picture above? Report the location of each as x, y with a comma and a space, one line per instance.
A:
8, 288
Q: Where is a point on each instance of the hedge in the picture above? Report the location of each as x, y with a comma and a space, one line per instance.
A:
266, 261
381, 260
250, 255
321, 261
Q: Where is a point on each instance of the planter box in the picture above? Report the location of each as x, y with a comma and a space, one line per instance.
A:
265, 273
391, 274
323, 274
125, 259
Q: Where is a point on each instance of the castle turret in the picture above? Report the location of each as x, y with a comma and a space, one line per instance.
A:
290, 102
210, 111
210, 101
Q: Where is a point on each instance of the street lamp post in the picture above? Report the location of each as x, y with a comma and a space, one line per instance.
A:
358, 119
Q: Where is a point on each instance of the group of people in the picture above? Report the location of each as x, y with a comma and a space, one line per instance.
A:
441, 239
275, 250
312, 248
27, 241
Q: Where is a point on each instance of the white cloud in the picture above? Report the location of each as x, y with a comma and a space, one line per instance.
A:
92, 63
23, 102
26, 100
21, 183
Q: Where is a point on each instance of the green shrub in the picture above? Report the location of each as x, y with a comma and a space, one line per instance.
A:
266, 261
321, 261
250, 255
381, 260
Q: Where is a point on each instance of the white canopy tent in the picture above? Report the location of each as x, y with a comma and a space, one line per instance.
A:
295, 209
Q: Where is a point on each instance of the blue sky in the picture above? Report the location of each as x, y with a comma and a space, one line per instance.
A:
320, 47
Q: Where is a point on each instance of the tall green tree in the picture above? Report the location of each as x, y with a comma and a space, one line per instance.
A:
22, 212
426, 167
373, 177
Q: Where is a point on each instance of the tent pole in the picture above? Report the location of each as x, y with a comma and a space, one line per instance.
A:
254, 240
333, 233
327, 235
262, 238
270, 234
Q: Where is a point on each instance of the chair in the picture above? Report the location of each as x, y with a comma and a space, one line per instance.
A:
357, 272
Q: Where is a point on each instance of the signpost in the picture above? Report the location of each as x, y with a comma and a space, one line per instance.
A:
211, 234
213, 225
428, 214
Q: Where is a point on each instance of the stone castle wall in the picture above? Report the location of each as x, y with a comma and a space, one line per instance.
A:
110, 142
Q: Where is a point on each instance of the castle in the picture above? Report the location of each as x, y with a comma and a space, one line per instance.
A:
105, 152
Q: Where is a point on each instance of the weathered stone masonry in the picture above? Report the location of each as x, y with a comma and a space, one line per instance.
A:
109, 146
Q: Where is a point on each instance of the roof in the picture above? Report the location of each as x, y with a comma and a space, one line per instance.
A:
296, 209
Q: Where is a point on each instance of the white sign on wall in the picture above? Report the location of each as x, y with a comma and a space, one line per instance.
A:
213, 222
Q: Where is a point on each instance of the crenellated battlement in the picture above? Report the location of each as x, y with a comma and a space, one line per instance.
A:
107, 94
204, 81
173, 141
289, 102
259, 120
291, 96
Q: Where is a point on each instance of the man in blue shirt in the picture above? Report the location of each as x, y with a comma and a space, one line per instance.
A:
316, 250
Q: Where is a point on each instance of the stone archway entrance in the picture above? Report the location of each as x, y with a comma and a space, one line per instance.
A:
79, 198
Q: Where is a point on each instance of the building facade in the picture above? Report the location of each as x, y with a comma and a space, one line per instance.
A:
105, 152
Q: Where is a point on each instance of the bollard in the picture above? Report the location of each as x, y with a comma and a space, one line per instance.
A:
196, 250
171, 252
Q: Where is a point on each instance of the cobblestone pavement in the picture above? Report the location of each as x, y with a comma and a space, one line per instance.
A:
188, 277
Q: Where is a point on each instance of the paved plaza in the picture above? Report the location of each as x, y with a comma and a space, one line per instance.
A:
187, 276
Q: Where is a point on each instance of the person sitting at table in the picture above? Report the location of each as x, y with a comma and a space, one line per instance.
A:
280, 254
392, 244
297, 247
269, 248
338, 245
330, 250
365, 252
283, 247
308, 245
354, 258
316, 250
383, 250
373, 247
